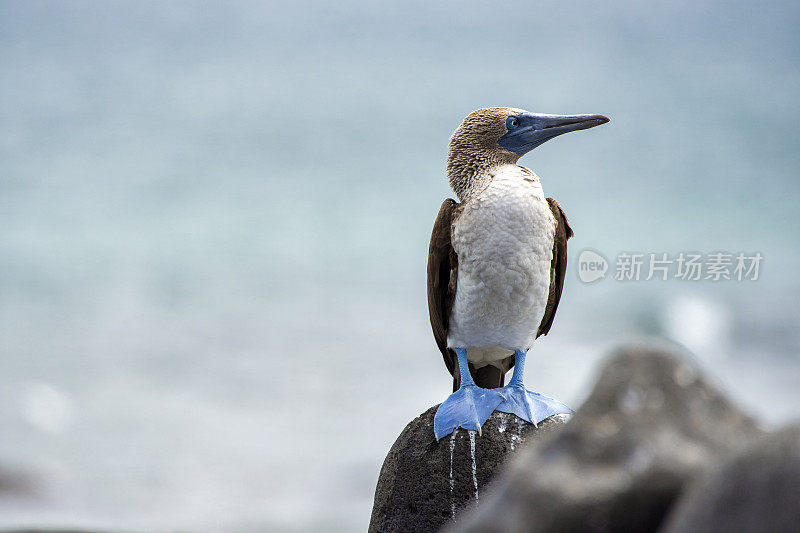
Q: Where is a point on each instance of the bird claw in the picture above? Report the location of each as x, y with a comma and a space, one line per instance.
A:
468, 407
530, 406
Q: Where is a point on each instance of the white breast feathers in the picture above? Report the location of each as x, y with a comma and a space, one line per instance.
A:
504, 241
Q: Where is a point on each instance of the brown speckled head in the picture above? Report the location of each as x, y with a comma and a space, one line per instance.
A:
474, 148
481, 130
500, 136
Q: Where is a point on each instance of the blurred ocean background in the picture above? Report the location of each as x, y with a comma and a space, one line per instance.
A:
214, 221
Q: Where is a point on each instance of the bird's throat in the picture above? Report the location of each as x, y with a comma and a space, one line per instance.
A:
469, 174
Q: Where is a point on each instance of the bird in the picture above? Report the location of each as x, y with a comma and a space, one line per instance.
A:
496, 265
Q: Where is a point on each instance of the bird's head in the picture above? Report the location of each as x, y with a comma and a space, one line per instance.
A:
511, 133
501, 135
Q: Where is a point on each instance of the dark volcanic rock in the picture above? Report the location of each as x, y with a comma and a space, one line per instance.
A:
423, 483
758, 490
651, 425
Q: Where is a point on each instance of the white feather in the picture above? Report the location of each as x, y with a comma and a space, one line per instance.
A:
504, 241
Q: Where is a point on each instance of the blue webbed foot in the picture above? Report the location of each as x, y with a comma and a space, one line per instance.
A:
530, 406
468, 407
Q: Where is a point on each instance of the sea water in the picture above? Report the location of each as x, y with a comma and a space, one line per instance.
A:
214, 224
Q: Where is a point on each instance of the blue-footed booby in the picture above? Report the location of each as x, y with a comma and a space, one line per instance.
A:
496, 265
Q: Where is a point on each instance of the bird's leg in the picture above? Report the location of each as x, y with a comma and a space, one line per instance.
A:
469, 406
528, 405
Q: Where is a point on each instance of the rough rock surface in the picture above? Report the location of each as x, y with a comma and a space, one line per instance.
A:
424, 484
651, 425
758, 490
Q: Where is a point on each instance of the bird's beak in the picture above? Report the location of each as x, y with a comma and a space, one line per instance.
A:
537, 129
559, 124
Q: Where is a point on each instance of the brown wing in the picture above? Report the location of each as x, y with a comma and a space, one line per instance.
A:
442, 268
558, 267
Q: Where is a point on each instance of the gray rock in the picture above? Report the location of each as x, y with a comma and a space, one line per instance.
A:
17, 483
651, 425
757, 490
424, 484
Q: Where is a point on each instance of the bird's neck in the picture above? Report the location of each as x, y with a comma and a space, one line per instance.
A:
471, 171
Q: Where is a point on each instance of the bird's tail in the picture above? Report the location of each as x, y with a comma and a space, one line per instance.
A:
487, 377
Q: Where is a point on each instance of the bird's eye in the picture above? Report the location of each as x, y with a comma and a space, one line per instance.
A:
513, 121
